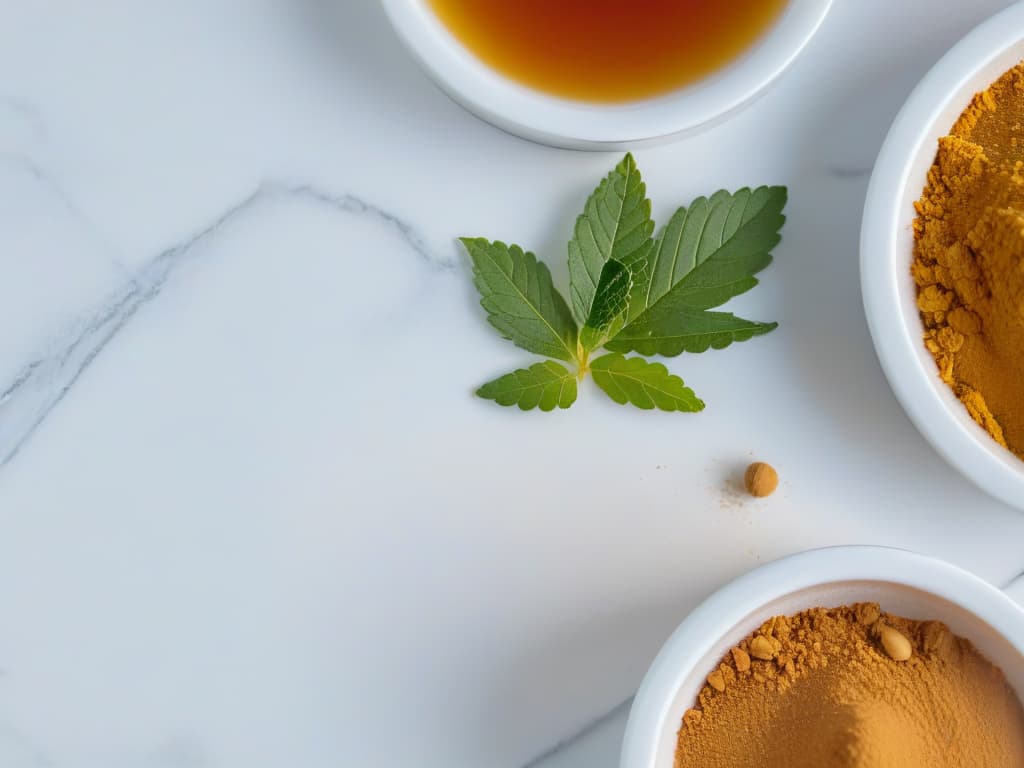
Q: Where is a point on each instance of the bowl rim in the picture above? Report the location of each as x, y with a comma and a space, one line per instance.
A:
529, 113
731, 604
888, 291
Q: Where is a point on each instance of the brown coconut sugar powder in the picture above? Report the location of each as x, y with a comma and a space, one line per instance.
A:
853, 687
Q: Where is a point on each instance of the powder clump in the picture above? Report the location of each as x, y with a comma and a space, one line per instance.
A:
969, 259
829, 694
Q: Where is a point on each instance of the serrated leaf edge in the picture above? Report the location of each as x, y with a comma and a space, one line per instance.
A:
599, 368
539, 263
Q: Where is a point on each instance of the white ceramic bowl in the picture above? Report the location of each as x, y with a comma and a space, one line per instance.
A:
576, 125
886, 252
904, 584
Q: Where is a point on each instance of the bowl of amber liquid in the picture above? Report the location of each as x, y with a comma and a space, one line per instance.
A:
903, 583
604, 74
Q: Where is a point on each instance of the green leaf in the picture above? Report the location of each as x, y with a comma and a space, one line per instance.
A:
645, 385
691, 330
610, 302
547, 385
615, 224
701, 259
520, 300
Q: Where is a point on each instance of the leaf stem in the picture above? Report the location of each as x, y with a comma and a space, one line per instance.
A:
583, 361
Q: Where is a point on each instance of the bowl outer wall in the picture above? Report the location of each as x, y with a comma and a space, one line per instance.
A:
887, 246
539, 117
990, 619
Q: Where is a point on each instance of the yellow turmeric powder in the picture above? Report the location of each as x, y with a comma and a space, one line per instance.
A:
969, 259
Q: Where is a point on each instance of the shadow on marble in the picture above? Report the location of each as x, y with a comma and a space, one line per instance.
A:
821, 280
593, 666
359, 38
357, 41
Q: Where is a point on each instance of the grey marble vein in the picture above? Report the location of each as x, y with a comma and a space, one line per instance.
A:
24, 162
42, 383
619, 710
27, 112
1015, 587
17, 745
32, 169
20, 379
352, 204
36, 171
843, 172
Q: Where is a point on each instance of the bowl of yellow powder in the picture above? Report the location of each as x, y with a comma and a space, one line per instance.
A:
849, 656
942, 256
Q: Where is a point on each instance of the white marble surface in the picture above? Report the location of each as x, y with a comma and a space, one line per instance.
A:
250, 513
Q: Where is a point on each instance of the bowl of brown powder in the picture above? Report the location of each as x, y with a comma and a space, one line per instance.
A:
942, 256
841, 657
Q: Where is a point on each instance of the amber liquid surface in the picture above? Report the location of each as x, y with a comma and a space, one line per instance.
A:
607, 50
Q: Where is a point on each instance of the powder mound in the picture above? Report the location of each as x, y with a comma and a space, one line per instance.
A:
969, 259
819, 689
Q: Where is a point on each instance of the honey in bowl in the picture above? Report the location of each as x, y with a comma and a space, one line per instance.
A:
607, 50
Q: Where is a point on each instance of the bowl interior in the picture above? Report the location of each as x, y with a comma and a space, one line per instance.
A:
895, 598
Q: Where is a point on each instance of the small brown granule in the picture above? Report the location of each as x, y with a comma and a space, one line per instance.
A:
761, 479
